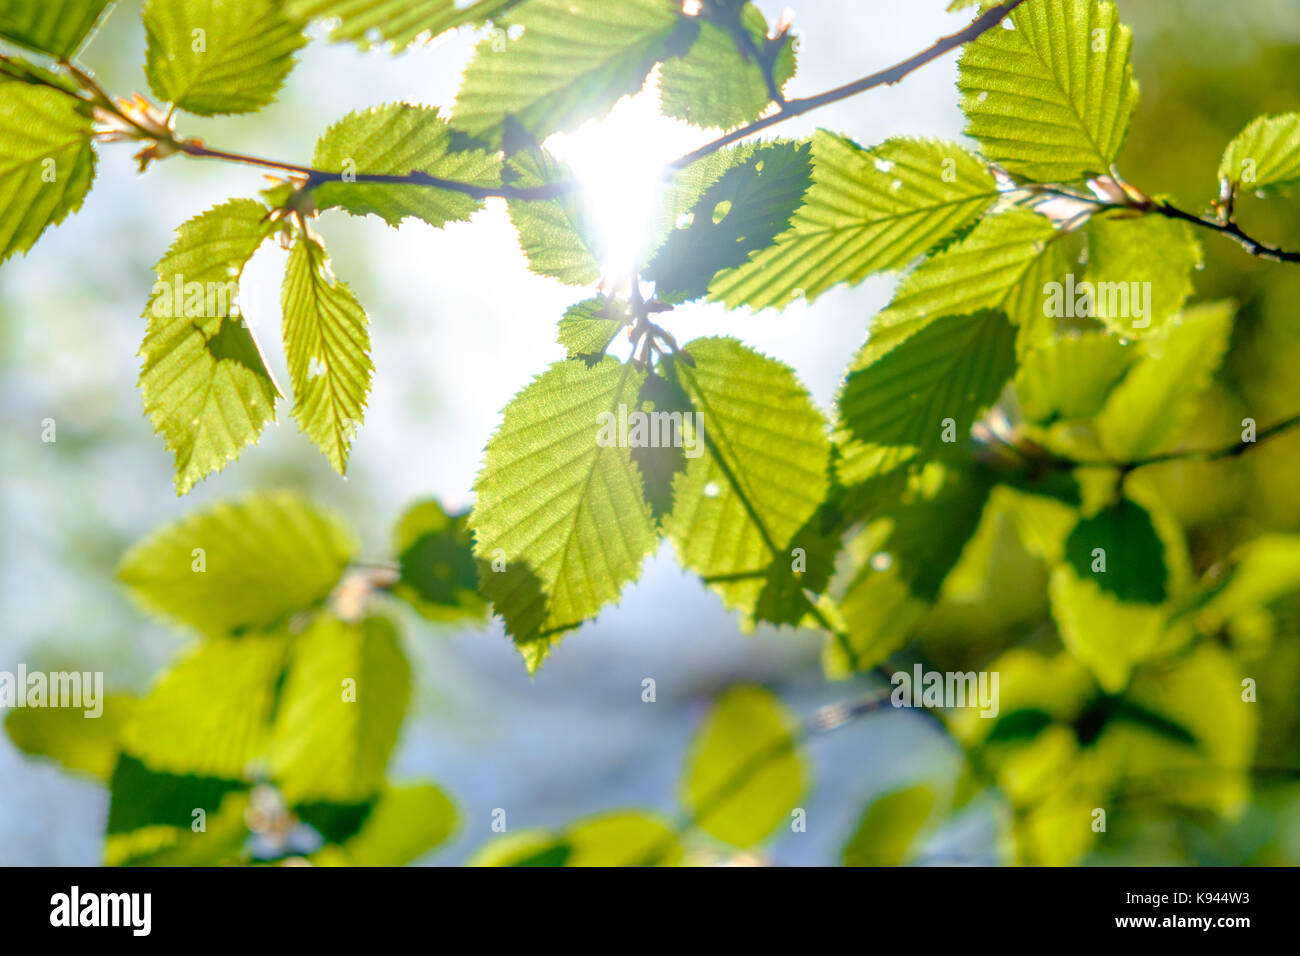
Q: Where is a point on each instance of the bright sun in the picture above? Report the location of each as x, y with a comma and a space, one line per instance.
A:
619, 160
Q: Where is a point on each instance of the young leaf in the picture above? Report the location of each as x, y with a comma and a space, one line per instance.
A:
340, 711
744, 773
573, 60
327, 343
204, 382
560, 520
46, 161
741, 212
715, 84
889, 826
753, 480
554, 233
623, 838
1069, 378
1050, 99
436, 560
65, 735
589, 326
210, 714
901, 560
405, 823
398, 22
1140, 271
276, 552
1267, 568
866, 211
1110, 636
54, 27
396, 140
1149, 407
213, 57
1131, 554
1265, 155
925, 392
1005, 263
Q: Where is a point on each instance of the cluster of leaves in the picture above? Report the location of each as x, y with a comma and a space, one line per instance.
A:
270, 737
972, 407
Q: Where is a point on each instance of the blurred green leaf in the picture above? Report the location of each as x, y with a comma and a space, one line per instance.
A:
436, 561
71, 737
273, 553
889, 826
744, 774
340, 711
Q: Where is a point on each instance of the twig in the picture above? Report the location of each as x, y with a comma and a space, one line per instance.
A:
1229, 229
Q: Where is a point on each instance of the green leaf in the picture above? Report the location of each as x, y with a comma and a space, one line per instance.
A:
210, 714
55, 27
436, 562
70, 736
901, 560
340, 711
212, 57
149, 812
554, 233
1140, 271
204, 382
867, 211
1267, 568
755, 476
399, 22
572, 60
622, 838
238, 566
931, 388
741, 212
1003, 264
396, 140
588, 327
1107, 634
327, 342
1148, 408
1265, 155
1068, 378
717, 85
46, 162
1051, 99
560, 521
405, 823
1120, 549
744, 774
889, 826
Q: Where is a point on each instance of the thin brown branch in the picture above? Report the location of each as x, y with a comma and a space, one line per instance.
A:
1229, 229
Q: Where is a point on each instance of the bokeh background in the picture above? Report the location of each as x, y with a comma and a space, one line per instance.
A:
459, 325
